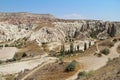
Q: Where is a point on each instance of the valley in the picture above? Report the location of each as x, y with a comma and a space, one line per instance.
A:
43, 47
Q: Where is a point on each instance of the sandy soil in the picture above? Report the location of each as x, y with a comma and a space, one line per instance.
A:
7, 52
33, 71
94, 63
20, 66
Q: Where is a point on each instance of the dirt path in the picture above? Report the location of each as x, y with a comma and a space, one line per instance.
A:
20, 66
36, 69
94, 63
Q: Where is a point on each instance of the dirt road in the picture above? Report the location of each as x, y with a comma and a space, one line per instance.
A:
20, 66
94, 62
36, 69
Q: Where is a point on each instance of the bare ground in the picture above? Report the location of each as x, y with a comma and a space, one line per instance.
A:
53, 71
94, 62
20, 66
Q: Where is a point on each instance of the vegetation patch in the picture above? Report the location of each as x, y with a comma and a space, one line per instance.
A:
105, 51
84, 74
54, 71
0, 62
71, 66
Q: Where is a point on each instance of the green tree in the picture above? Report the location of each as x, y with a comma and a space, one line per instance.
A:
85, 46
71, 66
105, 51
78, 47
89, 43
71, 48
0, 62
62, 51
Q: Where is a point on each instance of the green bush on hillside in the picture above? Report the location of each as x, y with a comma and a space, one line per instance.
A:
105, 51
0, 62
71, 66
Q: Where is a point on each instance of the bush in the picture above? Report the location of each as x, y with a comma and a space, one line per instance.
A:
114, 40
111, 44
71, 66
0, 62
1, 45
105, 51
9, 60
6, 45
82, 74
24, 55
109, 61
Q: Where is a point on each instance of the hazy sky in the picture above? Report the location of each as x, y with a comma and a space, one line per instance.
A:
81, 9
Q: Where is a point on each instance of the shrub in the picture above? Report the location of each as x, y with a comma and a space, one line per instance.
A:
90, 73
1, 45
109, 61
94, 34
71, 66
81, 74
105, 51
0, 62
6, 45
9, 60
24, 55
114, 40
111, 44
84, 74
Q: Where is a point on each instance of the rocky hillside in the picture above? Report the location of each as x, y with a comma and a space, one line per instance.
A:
46, 28
26, 18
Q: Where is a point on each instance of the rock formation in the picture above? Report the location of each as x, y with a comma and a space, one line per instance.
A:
46, 28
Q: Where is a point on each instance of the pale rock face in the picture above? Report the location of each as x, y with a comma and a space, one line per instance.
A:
46, 35
12, 32
57, 33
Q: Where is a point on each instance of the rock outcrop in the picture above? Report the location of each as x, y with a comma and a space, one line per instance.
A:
46, 28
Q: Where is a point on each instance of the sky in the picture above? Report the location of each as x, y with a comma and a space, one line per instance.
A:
107, 10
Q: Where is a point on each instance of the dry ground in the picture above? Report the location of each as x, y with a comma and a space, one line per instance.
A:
31, 49
109, 72
20, 66
93, 62
7, 52
53, 71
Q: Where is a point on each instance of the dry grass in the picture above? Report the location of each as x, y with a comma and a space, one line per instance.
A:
30, 49
9, 77
40, 25
108, 72
53, 71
